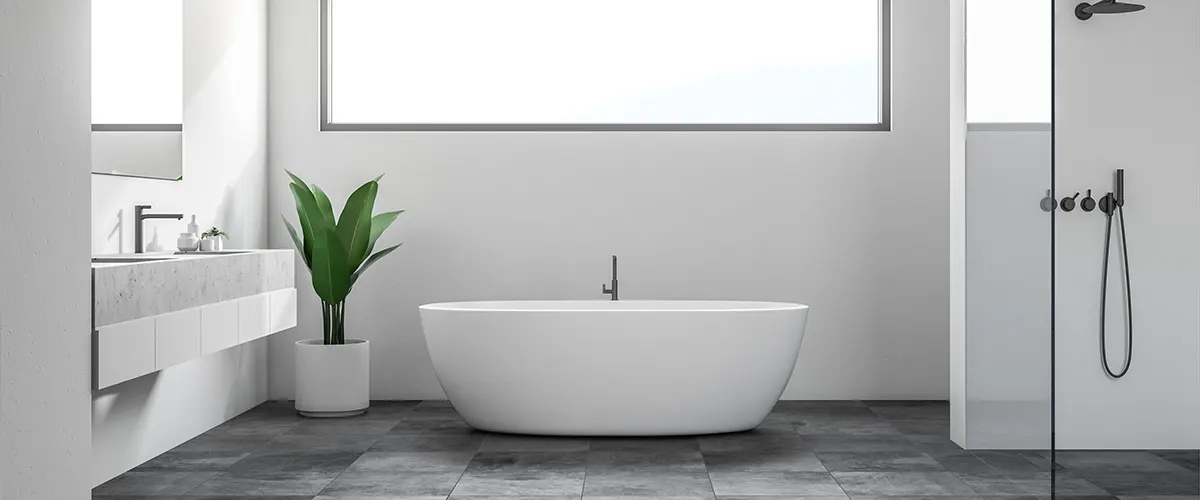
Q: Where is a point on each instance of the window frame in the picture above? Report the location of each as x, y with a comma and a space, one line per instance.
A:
884, 102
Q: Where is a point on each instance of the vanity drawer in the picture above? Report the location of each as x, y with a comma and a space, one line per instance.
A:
283, 309
254, 317
124, 351
219, 327
176, 338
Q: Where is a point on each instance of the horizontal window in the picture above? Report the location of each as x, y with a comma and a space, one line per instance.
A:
604, 64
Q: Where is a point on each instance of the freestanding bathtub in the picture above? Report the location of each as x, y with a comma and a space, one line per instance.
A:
614, 368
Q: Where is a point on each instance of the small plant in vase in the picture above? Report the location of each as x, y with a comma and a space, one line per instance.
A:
213, 240
333, 373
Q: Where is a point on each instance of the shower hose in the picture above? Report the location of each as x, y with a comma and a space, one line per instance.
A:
1119, 212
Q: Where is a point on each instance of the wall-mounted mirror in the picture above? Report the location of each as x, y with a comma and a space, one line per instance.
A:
137, 88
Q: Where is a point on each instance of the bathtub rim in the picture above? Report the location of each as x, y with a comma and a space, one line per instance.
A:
608, 306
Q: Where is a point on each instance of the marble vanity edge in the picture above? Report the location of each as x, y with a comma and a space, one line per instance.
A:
128, 292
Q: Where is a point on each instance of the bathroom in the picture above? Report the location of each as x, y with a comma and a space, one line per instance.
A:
949, 347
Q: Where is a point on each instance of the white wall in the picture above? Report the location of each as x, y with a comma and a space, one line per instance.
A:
854, 224
45, 348
224, 184
1128, 96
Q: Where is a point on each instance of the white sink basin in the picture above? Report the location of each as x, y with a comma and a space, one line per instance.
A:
126, 260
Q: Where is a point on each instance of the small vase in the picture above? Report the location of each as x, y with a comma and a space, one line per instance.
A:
187, 242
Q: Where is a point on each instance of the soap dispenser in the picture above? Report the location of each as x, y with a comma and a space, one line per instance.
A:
194, 228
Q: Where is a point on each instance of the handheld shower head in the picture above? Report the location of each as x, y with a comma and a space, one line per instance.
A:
1084, 11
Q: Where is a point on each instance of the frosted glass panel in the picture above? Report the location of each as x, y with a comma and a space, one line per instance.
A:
1008, 61
137, 61
604, 62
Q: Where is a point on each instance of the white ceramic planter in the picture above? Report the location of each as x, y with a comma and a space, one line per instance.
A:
212, 244
333, 380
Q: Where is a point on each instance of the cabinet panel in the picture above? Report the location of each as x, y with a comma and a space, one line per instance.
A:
124, 351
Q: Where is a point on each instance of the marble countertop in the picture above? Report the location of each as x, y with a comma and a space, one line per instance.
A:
124, 291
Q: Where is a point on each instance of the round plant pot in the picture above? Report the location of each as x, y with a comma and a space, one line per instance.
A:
333, 380
212, 244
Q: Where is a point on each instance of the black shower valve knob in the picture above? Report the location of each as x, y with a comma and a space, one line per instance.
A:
1048, 203
1088, 204
1068, 203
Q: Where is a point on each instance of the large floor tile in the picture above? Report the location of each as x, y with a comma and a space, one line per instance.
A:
271, 484
992, 484
1189, 460
512, 442
844, 426
883, 461
764, 461
393, 442
751, 442
859, 443
277, 461
520, 483
522, 461
645, 444
647, 484
362, 425
432, 461
646, 461
1122, 483
228, 440
1010, 462
903, 483
321, 442
434, 426
774, 483
193, 461
1091, 462
153, 483
1062, 484
391, 484
962, 461
432, 409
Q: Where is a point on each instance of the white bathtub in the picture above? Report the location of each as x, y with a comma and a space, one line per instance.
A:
604, 368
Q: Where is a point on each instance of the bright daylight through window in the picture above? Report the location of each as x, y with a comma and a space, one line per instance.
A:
424, 63
1008, 61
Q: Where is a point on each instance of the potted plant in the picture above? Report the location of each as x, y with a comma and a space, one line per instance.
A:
213, 240
333, 373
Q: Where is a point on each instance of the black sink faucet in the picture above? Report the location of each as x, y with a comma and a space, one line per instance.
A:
612, 289
139, 216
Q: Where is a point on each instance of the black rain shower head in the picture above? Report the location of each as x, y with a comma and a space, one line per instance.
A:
1084, 11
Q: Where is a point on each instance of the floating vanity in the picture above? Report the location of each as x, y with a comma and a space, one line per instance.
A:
153, 311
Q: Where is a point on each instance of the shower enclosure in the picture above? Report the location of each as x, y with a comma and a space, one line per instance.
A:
1076, 358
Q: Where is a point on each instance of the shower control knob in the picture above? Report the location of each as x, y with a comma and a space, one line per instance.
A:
1108, 204
1049, 203
1068, 204
1088, 204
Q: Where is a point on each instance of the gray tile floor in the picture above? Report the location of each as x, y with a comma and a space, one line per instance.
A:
805, 450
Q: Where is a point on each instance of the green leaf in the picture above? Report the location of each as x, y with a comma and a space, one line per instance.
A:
380, 177
311, 223
379, 224
324, 205
296, 240
330, 273
374, 258
354, 227
297, 180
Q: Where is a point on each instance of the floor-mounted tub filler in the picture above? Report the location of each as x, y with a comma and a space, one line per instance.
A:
614, 368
